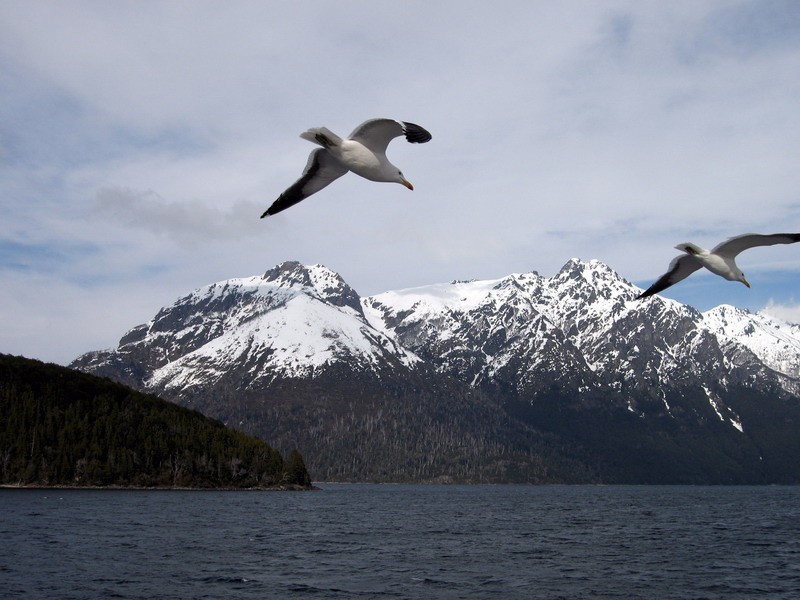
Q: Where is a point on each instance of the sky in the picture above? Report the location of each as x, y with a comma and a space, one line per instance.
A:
141, 141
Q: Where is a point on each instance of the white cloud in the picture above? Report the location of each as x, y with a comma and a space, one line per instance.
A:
141, 142
789, 312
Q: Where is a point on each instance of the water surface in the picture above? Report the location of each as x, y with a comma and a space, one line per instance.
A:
403, 541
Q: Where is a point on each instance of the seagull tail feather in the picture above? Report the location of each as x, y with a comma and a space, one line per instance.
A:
689, 248
321, 136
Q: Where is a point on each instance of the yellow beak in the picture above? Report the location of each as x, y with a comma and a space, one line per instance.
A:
407, 184
744, 281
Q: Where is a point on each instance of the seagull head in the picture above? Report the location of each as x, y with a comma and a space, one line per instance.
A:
740, 277
404, 181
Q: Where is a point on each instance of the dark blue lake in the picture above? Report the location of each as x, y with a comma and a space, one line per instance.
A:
403, 541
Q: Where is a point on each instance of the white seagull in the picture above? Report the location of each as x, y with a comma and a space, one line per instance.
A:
363, 153
720, 261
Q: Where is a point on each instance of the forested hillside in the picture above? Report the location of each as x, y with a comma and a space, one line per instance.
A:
62, 427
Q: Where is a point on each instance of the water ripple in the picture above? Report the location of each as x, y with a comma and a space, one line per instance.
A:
351, 541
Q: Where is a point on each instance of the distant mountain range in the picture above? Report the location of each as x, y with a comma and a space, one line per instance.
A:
523, 378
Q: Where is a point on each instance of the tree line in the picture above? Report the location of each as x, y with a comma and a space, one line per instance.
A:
62, 427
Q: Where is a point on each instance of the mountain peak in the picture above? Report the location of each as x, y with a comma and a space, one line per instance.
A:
727, 311
592, 280
317, 279
576, 267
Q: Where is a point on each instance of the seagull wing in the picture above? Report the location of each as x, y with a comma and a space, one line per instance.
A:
730, 248
680, 268
321, 169
376, 134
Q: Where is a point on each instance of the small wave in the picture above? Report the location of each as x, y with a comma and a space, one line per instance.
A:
226, 579
303, 588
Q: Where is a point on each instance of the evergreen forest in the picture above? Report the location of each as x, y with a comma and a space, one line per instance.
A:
60, 427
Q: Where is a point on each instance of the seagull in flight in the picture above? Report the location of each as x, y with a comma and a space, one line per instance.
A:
720, 261
363, 153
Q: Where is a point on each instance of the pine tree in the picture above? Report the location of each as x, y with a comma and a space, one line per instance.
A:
296, 472
61, 427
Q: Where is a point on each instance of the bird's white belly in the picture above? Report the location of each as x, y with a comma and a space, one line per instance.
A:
362, 161
717, 265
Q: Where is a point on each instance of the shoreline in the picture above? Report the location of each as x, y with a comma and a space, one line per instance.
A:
132, 488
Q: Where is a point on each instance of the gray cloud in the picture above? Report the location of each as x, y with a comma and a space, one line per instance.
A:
189, 222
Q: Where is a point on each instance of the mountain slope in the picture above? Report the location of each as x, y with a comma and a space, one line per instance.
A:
290, 322
758, 337
582, 331
568, 351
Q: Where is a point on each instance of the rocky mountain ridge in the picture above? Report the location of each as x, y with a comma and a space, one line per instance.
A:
583, 329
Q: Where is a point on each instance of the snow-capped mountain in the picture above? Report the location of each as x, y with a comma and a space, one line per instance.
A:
483, 331
523, 377
291, 322
771, 341
583, 330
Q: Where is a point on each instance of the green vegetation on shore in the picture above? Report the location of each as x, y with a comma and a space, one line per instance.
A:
60, 427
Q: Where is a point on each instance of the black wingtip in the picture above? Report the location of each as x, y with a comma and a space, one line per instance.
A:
651, 291
416, 134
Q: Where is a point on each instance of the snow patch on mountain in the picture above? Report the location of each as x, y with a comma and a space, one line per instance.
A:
717, 404
479, 330
295, 338
775, 342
